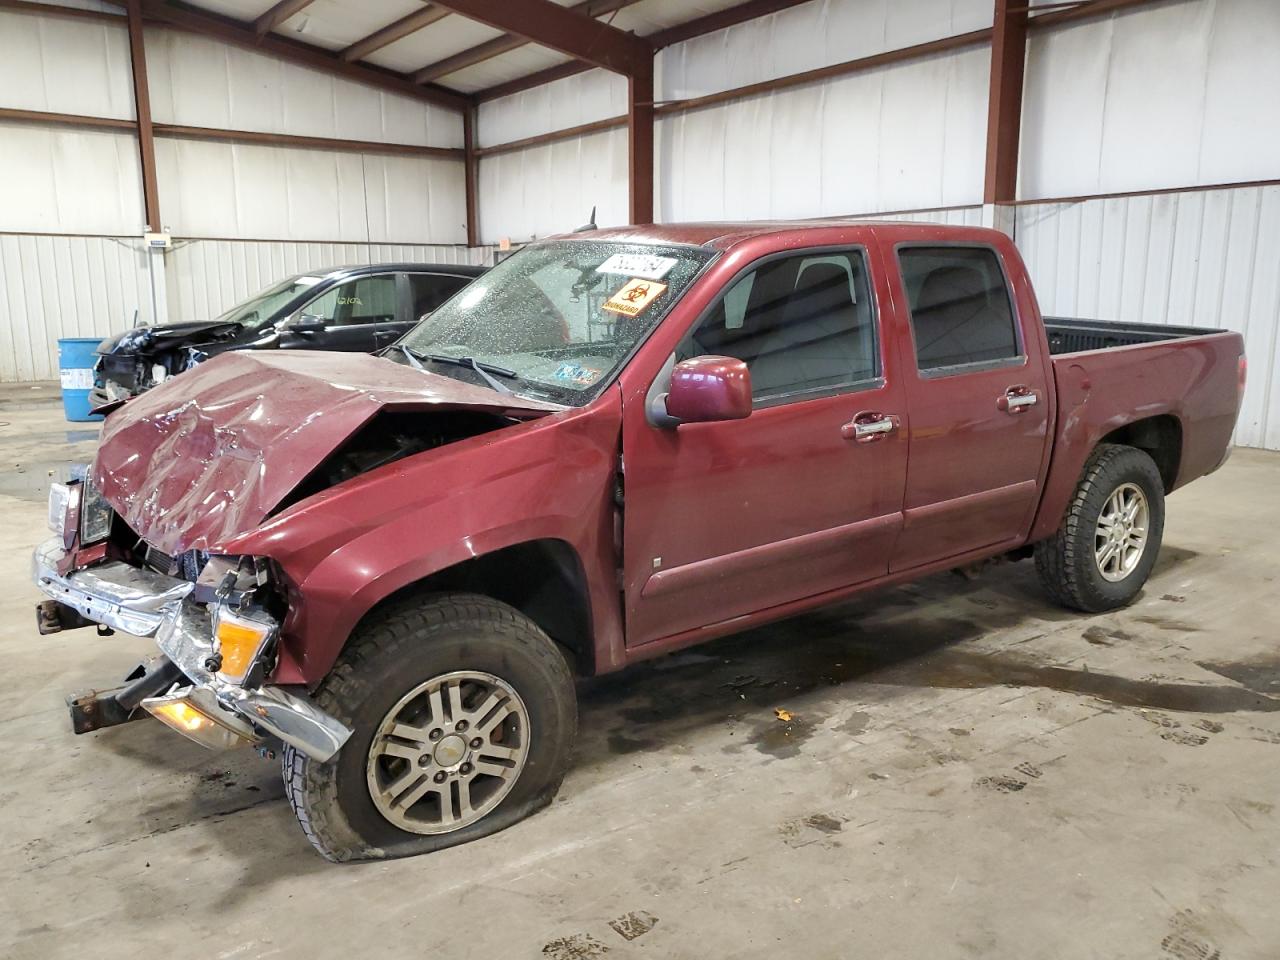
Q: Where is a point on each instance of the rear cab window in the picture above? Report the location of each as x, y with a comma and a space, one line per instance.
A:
962, 317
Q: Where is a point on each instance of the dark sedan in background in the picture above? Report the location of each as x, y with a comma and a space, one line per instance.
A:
360, 309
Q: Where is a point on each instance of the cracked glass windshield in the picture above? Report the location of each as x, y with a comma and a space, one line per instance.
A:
554, 320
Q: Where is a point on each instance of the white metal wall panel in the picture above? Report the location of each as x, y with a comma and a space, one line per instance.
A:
199, 82
1152, 98
1204, 259
206, 278
952, 216
62, 65
53, 287
583, 98
808, 36
67, 180
552, 188
840, 147
252, 191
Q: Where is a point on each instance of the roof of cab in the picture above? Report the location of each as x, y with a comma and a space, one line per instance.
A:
721, 236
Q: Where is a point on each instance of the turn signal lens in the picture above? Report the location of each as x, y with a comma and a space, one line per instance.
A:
240, 640
180, 712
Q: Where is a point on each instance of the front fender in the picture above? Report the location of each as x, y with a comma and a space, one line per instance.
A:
359, 543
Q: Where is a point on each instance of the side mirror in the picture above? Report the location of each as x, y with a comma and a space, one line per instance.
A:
306, 324
705, 390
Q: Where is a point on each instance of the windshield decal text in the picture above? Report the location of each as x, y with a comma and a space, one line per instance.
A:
643, 265
633, 298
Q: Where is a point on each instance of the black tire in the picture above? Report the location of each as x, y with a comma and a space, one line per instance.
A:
396, 650
1066, 563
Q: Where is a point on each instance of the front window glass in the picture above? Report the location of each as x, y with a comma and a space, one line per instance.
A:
560, 316
257, 311
366, 300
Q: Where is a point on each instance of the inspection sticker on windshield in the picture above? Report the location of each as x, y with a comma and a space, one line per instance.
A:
633, 298
642, 265
574, 373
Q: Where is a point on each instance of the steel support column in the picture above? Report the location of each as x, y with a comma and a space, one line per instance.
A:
640, 144
471, 176
1004, 109
142, 108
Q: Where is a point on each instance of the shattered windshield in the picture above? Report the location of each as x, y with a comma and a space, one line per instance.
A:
556, 319
258, 310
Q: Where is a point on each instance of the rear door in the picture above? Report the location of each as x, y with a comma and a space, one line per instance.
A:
352, 311
978, 401
723, 520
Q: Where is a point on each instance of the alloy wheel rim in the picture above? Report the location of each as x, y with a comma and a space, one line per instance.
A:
1120, 538
448, 752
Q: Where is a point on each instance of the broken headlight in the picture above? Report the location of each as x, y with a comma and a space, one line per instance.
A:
95, 514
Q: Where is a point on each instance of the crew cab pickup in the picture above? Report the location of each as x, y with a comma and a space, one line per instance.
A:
613, 445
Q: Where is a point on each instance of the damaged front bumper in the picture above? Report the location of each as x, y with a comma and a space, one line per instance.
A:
149, 604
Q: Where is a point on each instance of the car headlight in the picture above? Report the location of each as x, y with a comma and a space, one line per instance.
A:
95, 514
240, 637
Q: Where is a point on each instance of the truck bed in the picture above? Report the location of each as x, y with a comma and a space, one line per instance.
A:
1068, 335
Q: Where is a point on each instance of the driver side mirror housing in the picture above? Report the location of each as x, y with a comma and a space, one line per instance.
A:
306, 324
704, 390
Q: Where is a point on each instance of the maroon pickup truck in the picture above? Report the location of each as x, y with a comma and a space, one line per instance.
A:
613, 445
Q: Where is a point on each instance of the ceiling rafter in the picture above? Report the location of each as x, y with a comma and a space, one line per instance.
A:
551, 25
278, 14
238, 33
710, 23
392, 32
507, 42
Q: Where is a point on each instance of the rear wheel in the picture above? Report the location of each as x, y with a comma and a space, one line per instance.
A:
464, 716
1110, 536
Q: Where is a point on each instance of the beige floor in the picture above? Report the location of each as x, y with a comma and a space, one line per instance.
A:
970, 772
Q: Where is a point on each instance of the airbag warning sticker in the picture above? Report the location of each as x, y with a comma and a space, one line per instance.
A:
634, 297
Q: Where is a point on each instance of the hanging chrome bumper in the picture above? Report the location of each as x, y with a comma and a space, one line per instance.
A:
145, 603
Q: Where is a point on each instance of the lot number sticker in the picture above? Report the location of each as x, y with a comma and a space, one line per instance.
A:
643, 265
633, 298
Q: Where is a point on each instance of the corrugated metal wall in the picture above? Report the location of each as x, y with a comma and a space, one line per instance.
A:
207, 277
53, 287
1203, 259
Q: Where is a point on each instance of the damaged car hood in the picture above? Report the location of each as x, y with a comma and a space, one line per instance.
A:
211, 454
145, 339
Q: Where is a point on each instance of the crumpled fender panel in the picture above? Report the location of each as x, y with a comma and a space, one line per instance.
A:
208, 455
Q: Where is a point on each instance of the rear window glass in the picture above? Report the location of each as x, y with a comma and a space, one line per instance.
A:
960, 307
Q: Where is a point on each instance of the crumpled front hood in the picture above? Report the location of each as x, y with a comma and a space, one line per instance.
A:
144, 340
209, 454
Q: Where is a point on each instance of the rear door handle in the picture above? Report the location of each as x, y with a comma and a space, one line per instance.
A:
1017, 399
869, 427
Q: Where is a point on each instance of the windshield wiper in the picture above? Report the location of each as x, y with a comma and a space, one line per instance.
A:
484, 369
409, 355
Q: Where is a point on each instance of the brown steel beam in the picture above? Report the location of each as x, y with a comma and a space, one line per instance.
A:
54, 10
1004, 104
663, 38
640, 145
278, 14
554, 136
720, 20
551, 25
471, 176
142, 111
65, 119
393, 32
507, 42
1087, 9
241, 34
178, 132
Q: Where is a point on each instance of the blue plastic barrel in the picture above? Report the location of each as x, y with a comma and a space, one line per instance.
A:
76, 356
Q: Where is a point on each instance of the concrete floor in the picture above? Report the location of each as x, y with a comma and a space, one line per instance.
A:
969, 772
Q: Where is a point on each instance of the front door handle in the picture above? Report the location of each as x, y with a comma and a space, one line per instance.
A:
1017, 399
869, 427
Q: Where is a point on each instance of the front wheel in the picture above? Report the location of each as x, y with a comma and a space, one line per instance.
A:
1110, 536
464, 717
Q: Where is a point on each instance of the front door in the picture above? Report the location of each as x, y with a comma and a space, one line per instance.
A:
979, 407
352, 312
727, 519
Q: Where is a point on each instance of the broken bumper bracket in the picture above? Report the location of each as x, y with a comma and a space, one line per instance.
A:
96, 709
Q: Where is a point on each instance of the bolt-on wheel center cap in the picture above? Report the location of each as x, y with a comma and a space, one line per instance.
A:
450, 751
